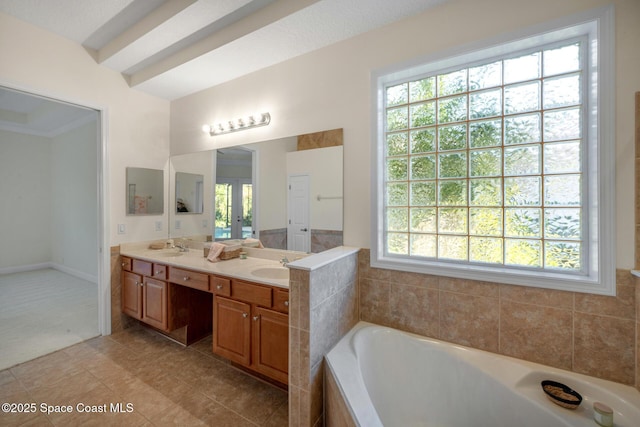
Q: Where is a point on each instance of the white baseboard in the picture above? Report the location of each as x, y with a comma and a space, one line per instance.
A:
63, 268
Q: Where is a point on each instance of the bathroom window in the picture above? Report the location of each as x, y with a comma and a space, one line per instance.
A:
498, 164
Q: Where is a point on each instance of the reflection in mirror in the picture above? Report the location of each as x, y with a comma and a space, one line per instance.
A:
189, 193
191, 182
145, 191
263, 176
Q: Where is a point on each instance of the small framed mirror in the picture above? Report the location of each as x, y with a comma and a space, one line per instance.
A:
189, 193
145, 191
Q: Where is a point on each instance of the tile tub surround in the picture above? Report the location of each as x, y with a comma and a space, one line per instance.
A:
589, 334
324, 307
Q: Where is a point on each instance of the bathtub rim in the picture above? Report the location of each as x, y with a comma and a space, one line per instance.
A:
342, 363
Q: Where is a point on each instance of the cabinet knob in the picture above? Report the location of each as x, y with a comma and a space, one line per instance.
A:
245, 315
158, 272
123, 264
255, 318
185, 278
141, 284
218, 287
286, 303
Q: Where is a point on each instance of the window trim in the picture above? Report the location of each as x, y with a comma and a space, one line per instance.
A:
599, 277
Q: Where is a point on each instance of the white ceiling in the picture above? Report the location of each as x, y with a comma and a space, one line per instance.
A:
173, 48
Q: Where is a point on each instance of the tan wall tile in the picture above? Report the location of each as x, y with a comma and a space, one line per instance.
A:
536, 333
472, 287
414, 309
469, 320
622, 305
538, 296
374, 301
605, 347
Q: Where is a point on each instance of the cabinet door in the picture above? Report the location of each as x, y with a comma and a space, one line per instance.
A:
132, 294
270, 343
232, 330
154, 307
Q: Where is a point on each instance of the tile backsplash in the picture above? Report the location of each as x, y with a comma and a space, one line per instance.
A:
589, 334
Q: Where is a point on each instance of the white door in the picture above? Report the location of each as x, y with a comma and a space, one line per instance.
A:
298, 229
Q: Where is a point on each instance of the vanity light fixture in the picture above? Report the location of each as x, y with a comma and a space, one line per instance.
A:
252, 121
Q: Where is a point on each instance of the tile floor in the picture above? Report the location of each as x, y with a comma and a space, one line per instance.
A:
164, 383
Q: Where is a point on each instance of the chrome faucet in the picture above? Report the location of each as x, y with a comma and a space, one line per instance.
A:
284, 261
182, 246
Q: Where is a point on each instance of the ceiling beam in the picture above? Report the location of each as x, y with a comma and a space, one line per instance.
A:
264, 17
156, 18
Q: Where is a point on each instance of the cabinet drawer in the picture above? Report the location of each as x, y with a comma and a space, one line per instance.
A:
142, 267
281, 300
159, 272
249, 292
220, 286
189, 278
126, 263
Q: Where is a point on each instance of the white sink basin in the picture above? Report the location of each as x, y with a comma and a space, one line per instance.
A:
277, 273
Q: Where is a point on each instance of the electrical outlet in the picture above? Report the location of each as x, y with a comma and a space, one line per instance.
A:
204, 223
122, 228
158, 225
178, 224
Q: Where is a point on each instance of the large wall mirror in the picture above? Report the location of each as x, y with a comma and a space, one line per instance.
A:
285, 197
145, 191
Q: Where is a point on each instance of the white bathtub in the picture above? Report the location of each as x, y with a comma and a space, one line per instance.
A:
392, 378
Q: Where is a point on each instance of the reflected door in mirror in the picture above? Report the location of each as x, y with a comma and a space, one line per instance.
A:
234, 212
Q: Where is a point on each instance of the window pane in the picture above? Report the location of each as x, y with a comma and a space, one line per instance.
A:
486, 192
452, 109
562, 60
397, 95
562, 157
397, 170
522, 129
452, 165
423, 194
485, 222
486, 249
452, 247
561, 91
522, 68
562, 124
485, 134
562, 255
522, 98
452, 83
397, 144
398, 219
562, 224
423, 245
452, 137
522, 191
423, 141
423, 167
484, 76
423, 220
398, 243
562, 190
522, 160
421, 90
423, 114
452, 220
452, 193
485, 104
397, 194
523, 252
522, 222
486, 162
397, 119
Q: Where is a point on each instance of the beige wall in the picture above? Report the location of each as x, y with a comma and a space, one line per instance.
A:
137, 125
330, 88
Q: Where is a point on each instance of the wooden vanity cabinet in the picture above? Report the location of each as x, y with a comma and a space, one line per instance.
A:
145, 293
248, 328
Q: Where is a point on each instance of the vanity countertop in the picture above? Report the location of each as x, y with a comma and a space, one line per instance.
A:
194, 260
